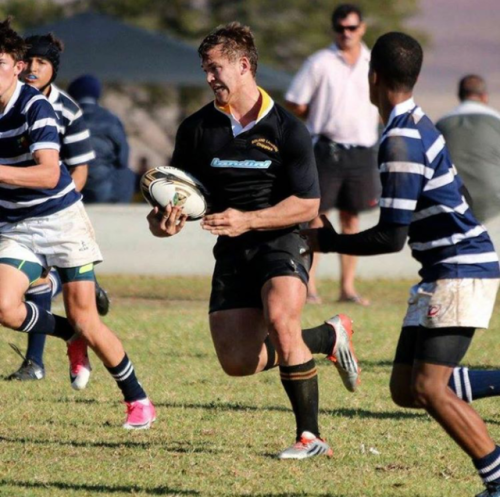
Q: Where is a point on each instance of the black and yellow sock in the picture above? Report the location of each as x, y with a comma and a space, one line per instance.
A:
301, 385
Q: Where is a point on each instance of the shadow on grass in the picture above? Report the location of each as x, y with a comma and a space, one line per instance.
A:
345, 412
99, 489
173, 448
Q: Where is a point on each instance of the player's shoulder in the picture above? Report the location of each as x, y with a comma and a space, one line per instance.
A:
30, 99
65, 100
286, 117
203, 116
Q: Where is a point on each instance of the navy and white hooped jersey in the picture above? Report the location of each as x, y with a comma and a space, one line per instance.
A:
420, 188
28, 124
76, 146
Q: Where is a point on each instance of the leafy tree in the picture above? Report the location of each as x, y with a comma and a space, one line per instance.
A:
287, 31
28, 13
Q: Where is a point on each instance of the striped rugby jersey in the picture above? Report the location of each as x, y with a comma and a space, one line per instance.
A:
28, 124
76, 146
420, 188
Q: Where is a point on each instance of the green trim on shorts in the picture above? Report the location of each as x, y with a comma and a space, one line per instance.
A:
78, 273
32, 270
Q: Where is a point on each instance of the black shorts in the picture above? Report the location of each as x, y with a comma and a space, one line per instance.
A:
348, 178
444, 346
240, 275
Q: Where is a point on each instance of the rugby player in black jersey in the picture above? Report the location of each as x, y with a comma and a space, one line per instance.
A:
257, 162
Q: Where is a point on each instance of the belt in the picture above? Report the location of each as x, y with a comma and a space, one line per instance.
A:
344, 146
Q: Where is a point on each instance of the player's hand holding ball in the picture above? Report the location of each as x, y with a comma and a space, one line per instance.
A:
166, 222
230, 222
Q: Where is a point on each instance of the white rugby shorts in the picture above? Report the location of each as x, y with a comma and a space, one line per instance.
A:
449, 303
64, 239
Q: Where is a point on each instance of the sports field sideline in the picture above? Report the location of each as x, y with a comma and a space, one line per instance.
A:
217, 435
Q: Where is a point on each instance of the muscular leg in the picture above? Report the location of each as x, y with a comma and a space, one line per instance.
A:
81, 310
349, 223
238, 336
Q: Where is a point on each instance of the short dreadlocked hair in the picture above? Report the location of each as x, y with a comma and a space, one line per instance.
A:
234, 40
10, 42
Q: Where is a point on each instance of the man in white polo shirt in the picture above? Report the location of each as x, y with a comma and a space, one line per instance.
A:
331, 92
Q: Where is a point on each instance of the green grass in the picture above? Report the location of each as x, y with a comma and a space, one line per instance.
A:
217, 435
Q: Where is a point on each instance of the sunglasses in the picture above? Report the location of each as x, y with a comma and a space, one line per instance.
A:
340, 29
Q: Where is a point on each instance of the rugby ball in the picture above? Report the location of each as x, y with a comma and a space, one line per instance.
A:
165, 184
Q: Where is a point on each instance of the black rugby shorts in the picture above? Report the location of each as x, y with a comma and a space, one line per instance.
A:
348, 178
443, 346
240, 275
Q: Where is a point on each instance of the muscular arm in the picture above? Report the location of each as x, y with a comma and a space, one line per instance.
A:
45, 174
289, 212
79, 175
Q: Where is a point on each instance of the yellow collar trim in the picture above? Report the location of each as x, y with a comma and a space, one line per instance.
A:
266, 106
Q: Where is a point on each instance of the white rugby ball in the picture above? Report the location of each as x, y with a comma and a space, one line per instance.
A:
166, 184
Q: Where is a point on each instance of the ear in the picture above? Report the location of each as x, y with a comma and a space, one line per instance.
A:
362, 28
19, 67
245, 65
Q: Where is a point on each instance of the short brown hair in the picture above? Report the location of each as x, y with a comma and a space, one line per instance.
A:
470, 86
10, 42
234, 40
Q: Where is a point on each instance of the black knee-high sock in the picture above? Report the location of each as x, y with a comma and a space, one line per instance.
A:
126, 380
319, 340
301, 385
43, 322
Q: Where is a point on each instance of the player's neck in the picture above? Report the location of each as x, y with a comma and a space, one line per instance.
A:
7, 95
389, 100
246, 105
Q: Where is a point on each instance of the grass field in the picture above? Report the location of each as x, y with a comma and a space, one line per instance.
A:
217, 435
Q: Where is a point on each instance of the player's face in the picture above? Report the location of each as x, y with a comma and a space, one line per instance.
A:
223, 75
37, 73
349, 32
9, 72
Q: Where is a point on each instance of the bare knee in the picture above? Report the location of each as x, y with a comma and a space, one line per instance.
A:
402, 397
427, 392
11, 312
236, 361
285, 333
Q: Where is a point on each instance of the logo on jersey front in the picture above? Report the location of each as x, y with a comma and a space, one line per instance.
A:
265, 144
241, 164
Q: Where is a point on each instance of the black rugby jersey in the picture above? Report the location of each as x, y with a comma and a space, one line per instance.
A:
257, 168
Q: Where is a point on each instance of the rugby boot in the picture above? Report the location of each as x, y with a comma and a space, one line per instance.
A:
141, 414
342, 355
29, 369
79, 364
308, 445
492, 490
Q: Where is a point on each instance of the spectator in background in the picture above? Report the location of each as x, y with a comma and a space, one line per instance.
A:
109, 179
331, 92
472, 134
